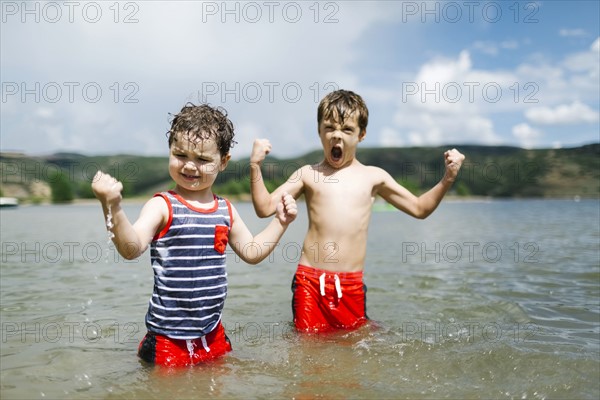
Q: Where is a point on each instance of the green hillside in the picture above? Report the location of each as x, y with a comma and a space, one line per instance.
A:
487, 171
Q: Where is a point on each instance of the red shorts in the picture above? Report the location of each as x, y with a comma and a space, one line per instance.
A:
325, 300
162, 350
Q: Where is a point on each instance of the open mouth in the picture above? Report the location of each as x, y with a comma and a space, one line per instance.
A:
190, 177
336, 153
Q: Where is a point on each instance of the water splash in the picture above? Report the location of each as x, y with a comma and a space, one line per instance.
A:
109, 226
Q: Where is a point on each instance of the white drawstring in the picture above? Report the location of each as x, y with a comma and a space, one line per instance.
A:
190, 347
322, 284
338, 286
204, 344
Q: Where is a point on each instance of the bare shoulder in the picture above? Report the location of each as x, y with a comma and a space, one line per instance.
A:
157, 207
296, 174
153, 218
378, 175
234, 211
310, 168
157, 201
306, 173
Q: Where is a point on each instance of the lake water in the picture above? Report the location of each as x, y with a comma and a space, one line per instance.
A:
497, 299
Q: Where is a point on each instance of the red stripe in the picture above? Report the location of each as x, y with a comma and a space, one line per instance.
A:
164, 231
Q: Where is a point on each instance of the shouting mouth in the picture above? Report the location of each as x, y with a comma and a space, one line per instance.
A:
336, 153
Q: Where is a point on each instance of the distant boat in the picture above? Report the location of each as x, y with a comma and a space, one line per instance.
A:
8, 202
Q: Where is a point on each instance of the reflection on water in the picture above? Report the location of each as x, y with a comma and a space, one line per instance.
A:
481, 300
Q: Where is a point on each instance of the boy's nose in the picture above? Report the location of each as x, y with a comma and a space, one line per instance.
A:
190, 165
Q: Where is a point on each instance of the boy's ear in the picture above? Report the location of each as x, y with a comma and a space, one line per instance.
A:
224, 161
362, 135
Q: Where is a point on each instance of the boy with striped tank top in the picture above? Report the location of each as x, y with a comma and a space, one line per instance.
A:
188, 229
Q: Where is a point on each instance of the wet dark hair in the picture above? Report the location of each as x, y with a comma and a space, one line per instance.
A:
201, 122
340, 104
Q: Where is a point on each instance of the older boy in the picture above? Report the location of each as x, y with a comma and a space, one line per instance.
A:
328, 289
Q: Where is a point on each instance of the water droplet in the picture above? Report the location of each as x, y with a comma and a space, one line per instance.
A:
109, 226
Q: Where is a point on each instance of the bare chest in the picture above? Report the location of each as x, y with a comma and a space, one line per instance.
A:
340, 190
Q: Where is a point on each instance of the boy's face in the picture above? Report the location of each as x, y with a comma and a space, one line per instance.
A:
194, 166
340, 139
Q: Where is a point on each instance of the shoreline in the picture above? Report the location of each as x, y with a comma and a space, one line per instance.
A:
378, 203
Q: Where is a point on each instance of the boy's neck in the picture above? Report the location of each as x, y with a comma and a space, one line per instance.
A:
199, 198
350, 163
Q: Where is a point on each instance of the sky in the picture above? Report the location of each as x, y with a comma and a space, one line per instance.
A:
105, 77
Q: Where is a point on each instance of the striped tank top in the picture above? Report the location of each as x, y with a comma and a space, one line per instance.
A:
188, 258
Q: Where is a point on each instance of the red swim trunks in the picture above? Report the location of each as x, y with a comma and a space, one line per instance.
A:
162, 350
325, 300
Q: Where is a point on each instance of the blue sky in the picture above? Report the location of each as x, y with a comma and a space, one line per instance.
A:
102, 77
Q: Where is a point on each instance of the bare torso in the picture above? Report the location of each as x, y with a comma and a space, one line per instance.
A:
339, 210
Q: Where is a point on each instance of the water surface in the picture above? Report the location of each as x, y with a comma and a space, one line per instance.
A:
496, 299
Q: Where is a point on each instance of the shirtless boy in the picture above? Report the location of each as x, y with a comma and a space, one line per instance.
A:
328, 288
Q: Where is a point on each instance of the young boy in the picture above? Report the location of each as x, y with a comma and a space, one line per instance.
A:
188, 229
328, 289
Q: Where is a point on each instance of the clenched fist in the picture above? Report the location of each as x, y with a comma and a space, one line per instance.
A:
260, 149
287, 209
453, 159
107, 189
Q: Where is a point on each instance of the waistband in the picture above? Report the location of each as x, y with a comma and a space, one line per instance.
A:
343, 276
339, 278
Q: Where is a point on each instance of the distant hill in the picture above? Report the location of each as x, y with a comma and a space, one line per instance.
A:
494, 171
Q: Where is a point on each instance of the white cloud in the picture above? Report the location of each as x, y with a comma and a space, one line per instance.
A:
431, 112
173, 52
571, 32
416, 138
595, 47
175, 49
492, 48
486, 47
586, 61
564, 114
445, 70
447, 103
44, 112
510, 44
453, 85
389, 137
245, 133
526, 135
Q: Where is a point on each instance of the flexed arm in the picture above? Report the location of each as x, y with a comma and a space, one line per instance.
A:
261, 198
255, 248
130, 240
265, 203
421, 206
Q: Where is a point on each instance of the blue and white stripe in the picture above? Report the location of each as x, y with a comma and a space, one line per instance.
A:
190, 279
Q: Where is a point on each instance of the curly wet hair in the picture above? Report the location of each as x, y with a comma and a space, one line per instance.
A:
201, 122
340, 104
